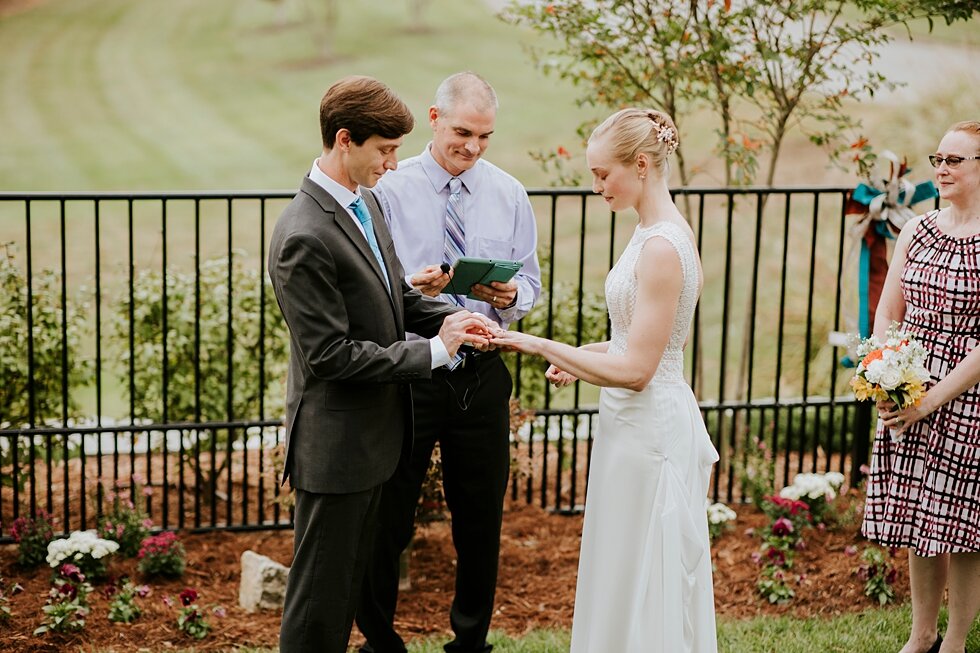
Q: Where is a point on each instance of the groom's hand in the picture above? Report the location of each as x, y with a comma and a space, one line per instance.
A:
464, 327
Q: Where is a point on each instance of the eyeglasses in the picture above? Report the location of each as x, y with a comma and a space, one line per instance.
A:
951, 161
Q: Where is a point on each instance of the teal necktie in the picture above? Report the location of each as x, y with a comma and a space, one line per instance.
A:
364, 217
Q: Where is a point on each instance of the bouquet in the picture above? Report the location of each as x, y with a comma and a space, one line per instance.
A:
891, 370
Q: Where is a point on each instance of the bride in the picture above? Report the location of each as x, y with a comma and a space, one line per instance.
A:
644, 579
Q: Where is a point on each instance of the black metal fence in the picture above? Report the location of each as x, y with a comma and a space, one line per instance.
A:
138, 336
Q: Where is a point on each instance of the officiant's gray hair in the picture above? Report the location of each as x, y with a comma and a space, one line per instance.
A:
636, 131
466, 87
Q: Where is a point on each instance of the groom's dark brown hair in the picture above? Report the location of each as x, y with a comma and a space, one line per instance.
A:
365, 107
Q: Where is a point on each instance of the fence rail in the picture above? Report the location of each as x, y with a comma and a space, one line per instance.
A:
140, 337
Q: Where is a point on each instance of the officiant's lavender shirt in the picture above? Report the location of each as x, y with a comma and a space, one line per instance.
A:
497, 219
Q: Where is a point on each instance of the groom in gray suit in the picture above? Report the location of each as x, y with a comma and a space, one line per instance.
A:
342, 292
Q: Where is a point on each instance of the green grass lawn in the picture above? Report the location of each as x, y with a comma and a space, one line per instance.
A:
873, 631
111, 94
180, 94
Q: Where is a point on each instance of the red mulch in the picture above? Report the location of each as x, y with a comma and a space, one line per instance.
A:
536, 586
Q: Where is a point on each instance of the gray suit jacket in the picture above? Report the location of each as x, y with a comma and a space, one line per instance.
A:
348, 402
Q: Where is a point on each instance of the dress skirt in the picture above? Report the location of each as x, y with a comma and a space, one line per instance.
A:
644, 579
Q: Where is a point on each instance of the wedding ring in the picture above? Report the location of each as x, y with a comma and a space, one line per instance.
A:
494, 299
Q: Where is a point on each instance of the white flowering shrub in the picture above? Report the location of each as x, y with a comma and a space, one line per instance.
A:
816, 490
720, 518
85, 549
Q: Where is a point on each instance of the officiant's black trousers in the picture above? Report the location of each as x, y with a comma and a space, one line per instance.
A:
467, 412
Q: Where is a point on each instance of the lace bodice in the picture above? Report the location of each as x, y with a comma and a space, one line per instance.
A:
621, 295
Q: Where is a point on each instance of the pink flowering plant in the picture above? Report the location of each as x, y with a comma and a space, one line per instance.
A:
787, 520
67, 605
192, 618
776, 584
126, 522
123, 606
781, 539
162, 555
32, 535
878, 574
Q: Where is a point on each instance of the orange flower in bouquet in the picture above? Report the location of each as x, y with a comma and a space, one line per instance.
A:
891, 369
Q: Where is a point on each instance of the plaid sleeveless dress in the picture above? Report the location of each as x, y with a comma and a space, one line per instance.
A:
924, 491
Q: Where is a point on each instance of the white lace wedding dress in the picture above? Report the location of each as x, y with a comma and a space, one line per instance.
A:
644, 578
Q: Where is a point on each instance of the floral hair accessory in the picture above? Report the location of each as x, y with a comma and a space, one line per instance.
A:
666, 135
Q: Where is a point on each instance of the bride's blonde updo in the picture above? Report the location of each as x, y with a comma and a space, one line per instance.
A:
635, 131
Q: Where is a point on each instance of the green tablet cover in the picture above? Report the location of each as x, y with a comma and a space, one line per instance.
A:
468, 271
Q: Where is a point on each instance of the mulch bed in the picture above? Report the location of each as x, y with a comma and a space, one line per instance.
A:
535, 590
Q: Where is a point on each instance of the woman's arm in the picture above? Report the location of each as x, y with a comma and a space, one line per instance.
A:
659, 282
560, 378
891, 304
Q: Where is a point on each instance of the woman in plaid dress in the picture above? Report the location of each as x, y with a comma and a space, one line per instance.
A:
924, 487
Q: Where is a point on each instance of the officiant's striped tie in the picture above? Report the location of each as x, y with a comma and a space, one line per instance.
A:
455, 244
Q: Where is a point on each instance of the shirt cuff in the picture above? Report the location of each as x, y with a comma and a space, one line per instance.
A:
440, 356
522, 306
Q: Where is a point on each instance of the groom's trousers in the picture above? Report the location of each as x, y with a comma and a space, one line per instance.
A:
333, 534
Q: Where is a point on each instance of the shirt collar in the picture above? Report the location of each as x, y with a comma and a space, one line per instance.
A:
339, 192
439, 177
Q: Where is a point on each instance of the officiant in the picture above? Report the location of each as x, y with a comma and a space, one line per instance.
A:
443, 204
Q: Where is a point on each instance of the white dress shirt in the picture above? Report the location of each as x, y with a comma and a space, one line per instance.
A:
497, 220
345, 197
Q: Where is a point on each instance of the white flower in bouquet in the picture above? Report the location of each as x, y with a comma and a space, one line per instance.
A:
78, 545
891, 369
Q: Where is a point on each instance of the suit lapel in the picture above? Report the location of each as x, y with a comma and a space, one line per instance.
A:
347, 226
387, 246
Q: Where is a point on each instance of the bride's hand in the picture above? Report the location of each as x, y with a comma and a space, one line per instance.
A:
516, 341
558, 378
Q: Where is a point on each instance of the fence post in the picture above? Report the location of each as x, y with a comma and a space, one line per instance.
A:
861, 444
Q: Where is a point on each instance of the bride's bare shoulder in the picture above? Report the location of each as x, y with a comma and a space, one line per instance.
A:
659, 261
